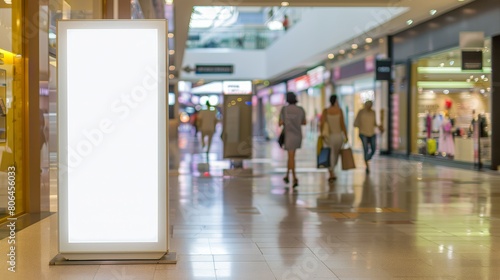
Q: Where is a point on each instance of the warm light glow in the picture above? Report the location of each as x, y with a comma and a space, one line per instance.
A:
8, 2
171, 67
342, 51
171, 76
170, 35
331, 56
285, 4
171, 52
354, 46
368, 40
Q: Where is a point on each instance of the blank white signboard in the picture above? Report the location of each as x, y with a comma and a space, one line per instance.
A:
112, 112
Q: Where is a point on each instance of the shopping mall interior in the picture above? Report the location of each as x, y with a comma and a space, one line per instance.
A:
109, 168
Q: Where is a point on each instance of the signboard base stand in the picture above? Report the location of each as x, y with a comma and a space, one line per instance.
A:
168, 258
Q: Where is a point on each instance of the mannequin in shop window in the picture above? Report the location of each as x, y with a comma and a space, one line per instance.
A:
446, 145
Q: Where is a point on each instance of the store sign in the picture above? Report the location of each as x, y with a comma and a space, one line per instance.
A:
237, 87
472, 60
302, 83
316, 76
112, 199
214, 69
383, 70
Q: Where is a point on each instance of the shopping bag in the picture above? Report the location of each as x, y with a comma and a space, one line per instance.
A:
347, 158
324, 158
319, 145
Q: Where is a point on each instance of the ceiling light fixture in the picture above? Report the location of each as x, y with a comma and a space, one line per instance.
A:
409, 22
171, 52
342, 52
171, 67
331, 56
8, 2
170, 35
432, 12
285, 4
354, 46
368, 40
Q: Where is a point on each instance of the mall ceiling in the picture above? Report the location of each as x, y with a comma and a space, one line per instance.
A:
419, 12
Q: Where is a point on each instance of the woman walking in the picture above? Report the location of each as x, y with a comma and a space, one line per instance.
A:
292, 117
366, 122
333, 118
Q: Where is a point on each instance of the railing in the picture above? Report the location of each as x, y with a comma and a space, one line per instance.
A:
248, 38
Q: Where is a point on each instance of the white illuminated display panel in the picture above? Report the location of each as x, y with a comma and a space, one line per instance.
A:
112, 136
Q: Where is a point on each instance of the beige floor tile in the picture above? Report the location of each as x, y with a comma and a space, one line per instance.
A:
106, 272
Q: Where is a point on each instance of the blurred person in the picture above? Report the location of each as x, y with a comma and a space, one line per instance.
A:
285, 23
366, 123
206, 122
291, 118
333, 117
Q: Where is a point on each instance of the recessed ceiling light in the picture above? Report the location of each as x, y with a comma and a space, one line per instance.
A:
342, 52
171, 67
170, 35
409, 22
171, 76
331, 55
171, 52
368, 40
432, 12
354, 46
285, 4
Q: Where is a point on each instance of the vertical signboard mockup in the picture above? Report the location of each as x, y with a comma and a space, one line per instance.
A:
112, 113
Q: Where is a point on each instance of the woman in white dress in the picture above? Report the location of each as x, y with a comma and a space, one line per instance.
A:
333, 117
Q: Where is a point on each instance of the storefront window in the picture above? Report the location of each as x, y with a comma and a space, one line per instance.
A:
11, 110
453, 107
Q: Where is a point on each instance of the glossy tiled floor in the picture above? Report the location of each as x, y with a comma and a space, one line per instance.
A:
405, 220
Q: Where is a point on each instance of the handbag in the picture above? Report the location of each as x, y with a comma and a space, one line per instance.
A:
281, 138
347, 158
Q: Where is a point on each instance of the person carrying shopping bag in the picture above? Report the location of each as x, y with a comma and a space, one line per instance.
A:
334, 132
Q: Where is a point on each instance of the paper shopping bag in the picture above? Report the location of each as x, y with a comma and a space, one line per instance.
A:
347, 158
